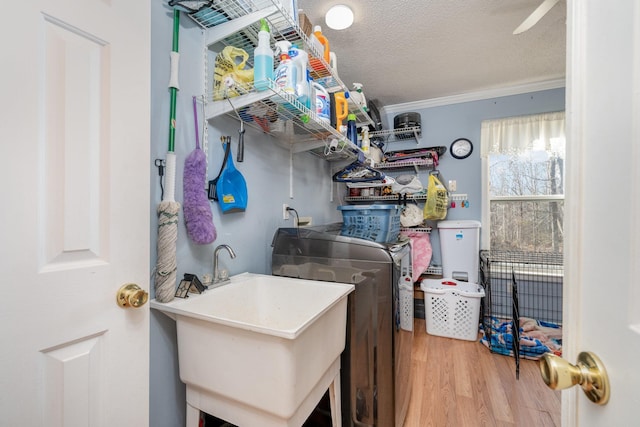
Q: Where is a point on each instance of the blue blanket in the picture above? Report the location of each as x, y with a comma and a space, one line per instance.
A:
533, 340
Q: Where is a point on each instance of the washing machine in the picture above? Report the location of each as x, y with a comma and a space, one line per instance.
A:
376, 363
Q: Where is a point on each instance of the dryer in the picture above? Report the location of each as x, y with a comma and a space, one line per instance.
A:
376, 362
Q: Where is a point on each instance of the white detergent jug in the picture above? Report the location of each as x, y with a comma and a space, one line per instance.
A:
300, 59
323, 104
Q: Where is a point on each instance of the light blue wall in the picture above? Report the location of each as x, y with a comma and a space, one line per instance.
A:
266, 170
443, 124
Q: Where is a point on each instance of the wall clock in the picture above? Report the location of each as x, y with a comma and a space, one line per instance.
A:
461, 148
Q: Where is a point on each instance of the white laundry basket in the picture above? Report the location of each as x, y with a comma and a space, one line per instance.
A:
452, 308
406, 306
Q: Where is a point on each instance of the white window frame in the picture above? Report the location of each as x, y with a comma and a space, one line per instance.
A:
485, 231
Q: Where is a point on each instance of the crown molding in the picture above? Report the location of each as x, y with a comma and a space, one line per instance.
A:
473, 96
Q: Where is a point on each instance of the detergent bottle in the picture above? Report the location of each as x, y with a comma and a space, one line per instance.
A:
283, 74
263, 58
300, 58
317, 32
341, 108
309, 100
323, 104
310, 104
333, 63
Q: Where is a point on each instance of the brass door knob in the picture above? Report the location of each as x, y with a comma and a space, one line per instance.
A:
132, 295
588, 371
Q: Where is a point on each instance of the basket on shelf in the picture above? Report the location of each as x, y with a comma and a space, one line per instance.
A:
379, 223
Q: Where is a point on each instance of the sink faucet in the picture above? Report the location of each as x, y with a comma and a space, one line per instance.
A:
218, 277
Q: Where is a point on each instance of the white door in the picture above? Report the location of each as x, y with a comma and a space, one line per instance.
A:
602, 213
74, 221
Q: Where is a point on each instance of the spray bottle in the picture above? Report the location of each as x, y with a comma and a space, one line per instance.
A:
366, 144
263, 58
357, 96
282, 75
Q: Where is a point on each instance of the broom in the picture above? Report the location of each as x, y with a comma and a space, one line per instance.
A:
166, 267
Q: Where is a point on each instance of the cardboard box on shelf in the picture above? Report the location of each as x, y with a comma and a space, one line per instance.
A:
305, 24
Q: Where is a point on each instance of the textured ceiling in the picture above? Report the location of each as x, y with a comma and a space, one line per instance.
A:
413, 50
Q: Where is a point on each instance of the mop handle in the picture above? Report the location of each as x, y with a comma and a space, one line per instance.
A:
170, 180
174, 57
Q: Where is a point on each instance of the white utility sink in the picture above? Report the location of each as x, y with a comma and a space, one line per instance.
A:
261, 350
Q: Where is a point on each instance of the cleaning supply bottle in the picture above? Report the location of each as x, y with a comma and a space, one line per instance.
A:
352, 132
333, 63
357, 96
317, 32
300, 59
263, 58
310, 104
341, 108
365, 144
323, 104
282, 75
308, 99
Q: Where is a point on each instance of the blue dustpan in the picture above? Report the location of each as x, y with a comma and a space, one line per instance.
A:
231, 188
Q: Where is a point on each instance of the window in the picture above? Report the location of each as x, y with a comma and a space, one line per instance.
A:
523, 167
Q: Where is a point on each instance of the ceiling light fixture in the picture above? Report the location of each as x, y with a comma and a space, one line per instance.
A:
339, 17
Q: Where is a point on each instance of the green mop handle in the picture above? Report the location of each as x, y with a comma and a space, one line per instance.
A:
173, 90
173, 78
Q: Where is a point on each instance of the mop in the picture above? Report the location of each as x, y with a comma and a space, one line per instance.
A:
166, 267
197, 211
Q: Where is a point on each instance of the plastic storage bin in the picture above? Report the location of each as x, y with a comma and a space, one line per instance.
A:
452, 308
379, 223
459, 246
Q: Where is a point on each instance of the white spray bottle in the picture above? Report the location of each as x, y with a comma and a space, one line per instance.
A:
282, 75
357, 95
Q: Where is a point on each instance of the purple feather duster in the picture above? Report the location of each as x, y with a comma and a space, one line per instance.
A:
197, 210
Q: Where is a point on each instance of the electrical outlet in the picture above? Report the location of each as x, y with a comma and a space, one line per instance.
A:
285, 211
452, 185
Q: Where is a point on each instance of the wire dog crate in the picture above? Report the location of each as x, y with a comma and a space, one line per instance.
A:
524, 289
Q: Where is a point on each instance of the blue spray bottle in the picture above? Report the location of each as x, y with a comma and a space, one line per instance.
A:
263, 58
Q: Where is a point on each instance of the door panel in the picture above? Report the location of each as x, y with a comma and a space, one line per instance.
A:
603, 241
75, 222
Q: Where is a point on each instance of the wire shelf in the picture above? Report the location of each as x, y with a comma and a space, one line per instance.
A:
281, 115
237, 23
389, 197
400, 164
393, 135
425, 230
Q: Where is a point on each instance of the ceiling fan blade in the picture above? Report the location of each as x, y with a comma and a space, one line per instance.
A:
537, 14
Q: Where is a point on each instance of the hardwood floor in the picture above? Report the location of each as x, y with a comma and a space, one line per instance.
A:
462, 384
